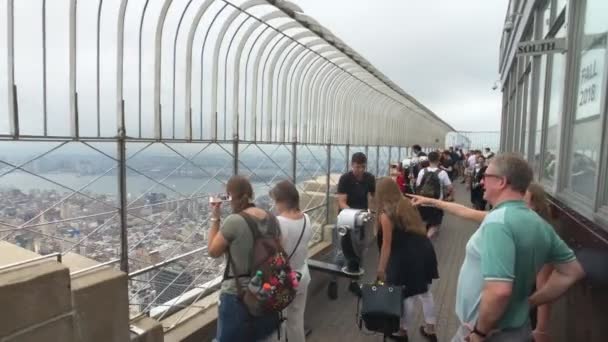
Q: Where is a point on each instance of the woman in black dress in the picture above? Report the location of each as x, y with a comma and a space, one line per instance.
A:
407, 256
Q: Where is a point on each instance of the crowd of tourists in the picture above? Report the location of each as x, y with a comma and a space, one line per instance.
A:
515, 264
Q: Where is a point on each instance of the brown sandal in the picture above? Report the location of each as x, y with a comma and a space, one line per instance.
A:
430, 336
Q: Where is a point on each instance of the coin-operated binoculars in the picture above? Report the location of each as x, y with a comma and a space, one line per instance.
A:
354, 227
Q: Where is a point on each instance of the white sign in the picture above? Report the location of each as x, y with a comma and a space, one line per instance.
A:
591, 74
541, 47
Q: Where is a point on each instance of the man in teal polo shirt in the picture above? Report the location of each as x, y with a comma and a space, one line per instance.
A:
503, 257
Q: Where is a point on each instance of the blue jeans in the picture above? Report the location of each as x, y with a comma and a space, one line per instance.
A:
235, 324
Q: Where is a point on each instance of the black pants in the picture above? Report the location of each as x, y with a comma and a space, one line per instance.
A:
477, 199
351, 258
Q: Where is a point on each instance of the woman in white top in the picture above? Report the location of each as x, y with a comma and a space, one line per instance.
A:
296, 232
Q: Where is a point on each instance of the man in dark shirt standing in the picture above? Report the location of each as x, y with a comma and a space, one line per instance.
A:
354, 189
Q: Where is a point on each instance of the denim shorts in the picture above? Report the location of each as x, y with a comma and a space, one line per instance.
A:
235, 324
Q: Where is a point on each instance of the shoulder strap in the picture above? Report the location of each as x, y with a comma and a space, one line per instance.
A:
299, 240
253, 227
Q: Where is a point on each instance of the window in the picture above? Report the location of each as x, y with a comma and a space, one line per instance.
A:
554, 114
587, 123
518, 115
544, 22
540, 114
546, 19
527, 118
511, 114
559, 6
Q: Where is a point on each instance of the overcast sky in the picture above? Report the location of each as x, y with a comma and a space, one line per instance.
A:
443, 52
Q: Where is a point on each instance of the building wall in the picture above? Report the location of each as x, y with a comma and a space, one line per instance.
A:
554, 105
554, 113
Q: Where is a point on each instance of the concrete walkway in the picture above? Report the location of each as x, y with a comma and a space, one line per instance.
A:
336, 320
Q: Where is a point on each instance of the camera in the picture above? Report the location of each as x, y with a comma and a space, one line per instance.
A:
219, 198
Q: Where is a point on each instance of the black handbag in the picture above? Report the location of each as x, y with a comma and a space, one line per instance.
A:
381, 307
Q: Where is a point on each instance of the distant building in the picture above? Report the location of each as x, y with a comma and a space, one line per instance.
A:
171, 283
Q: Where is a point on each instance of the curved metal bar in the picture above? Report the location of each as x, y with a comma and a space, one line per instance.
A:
336, 109
139, 57
160, 26
328, 113
119, 68
273, 63
320, 92
297, 85
203, 57
339, 104
302, 100
97, 69
329, 58
215, 62
202, 9
72, 62
10, 68
44, 79
235, 122
323, 110
312, 105
287, 99
305, 102
179, 25
256, 67
325, 101
237, 63
305, 48
286, 91
253, 127
281, 92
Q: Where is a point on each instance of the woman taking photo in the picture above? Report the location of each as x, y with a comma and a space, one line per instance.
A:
296, 232
234, 239
407, 257
536, 200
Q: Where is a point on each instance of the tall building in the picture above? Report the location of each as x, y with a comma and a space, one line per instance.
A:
170, 283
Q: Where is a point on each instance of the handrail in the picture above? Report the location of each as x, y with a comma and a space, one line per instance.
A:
166, 262
94, 267
24, 262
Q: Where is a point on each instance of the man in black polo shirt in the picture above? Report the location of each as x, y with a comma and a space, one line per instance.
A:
354, 189
355, 185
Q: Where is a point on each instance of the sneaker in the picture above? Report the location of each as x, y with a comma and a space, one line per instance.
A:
399, 337
429, 336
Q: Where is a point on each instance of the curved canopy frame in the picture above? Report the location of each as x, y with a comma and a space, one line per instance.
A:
291, 82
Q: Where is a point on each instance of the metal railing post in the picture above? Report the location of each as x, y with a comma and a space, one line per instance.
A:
235, 154
122, 193
390, 149
377, 160
347, 157
294, 161
328, 179
399, 153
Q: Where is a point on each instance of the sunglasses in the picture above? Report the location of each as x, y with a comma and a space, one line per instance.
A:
486, 175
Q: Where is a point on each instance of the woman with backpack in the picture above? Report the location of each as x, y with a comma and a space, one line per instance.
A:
296, 232
407, 257
235, 239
